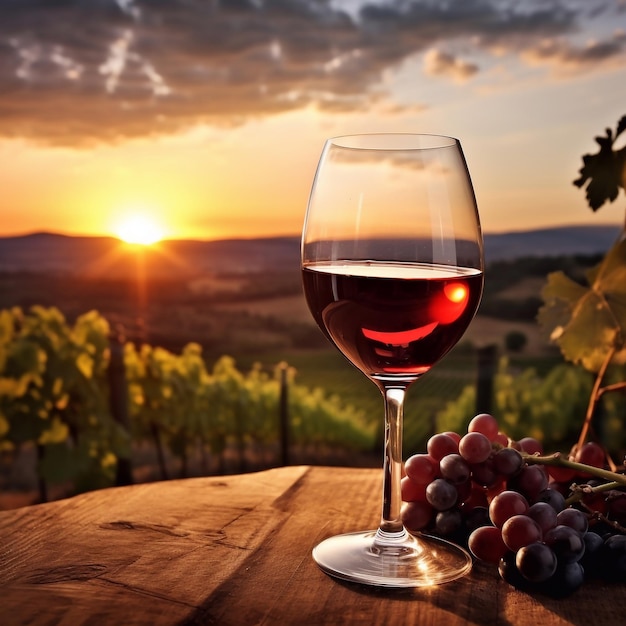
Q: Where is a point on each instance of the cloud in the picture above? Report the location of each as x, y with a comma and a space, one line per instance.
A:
438, 63
78, 71
566, 58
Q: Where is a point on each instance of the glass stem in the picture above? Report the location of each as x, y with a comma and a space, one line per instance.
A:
391, 520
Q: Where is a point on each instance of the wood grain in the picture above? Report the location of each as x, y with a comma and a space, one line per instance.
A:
237, 550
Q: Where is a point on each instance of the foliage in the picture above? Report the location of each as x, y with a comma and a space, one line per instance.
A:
588, 320
604, 172
55, 393
529, 404
52, 381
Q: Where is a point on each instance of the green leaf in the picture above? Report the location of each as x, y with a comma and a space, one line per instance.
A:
589, 321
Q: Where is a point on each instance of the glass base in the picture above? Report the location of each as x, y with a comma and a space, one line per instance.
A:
404, 560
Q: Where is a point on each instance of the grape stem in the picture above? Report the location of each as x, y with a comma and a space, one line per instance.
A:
579, 491
557, 460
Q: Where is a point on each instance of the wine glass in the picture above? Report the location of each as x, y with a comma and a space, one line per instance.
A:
392, 270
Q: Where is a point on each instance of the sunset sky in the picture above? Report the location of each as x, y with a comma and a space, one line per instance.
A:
209, 116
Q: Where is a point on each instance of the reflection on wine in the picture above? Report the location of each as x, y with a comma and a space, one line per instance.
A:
392, 320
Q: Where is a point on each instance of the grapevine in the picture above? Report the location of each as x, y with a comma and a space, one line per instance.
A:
55, 397
547, 522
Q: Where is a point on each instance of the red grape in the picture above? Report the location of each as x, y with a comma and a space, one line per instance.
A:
561, 474
411, 491
478, 488
506, 505
519, 531
486, 544
475, 447
530, 445
590, 454
421, 468
453, 435
501, 439
439, 445
485, 424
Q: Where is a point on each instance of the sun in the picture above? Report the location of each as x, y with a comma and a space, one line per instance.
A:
139, 229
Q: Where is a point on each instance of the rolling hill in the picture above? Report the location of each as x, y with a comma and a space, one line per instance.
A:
107, 256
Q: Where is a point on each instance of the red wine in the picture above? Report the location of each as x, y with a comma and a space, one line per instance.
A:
392, 320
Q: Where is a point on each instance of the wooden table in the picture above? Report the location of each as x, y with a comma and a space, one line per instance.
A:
236, 550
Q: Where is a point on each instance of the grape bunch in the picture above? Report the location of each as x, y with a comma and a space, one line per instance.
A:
483, 490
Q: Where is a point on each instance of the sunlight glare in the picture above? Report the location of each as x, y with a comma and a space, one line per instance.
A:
139, 229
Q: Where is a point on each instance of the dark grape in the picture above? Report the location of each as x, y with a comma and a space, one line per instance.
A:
574, 519
544, 515
613, 556
448, 522
536, 562
416, 515
476, 517
484, 473
477, 497
463, 491
553, 497
567, 579
507, 462
616, 505
567, 544
454, 468
509, 573
441, 494
591, 559
529, 481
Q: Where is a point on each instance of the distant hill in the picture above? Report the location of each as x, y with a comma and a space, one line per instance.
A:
550, 242
106, 256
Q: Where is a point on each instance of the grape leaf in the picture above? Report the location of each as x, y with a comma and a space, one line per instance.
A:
588, 321
604, 172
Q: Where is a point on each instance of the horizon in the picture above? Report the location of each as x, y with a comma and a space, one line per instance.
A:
520, 231
166, 115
